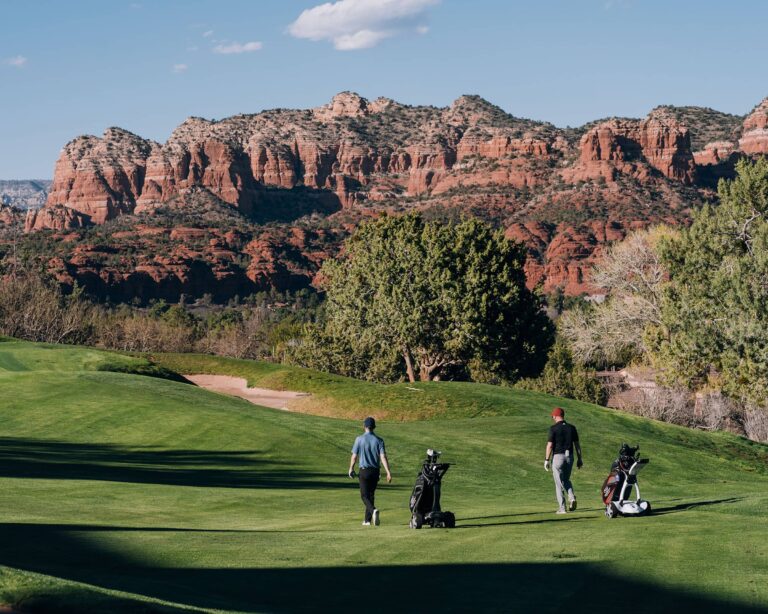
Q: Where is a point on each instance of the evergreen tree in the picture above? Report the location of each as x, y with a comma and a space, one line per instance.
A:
715, 309
562, 377
431, 296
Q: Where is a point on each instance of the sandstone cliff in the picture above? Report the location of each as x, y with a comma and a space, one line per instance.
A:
754, 136
564, 192
635, 148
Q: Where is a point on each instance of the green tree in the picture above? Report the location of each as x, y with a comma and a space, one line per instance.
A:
436, 295
715, 308
563, 377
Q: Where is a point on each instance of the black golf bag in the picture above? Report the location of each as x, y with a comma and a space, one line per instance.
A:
425, 498
620, 483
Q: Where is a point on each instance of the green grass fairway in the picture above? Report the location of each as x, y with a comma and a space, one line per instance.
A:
126, 493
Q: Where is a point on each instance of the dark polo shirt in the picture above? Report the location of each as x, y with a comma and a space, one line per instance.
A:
562, 436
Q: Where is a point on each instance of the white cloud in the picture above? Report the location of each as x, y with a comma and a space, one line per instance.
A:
358, 24
364, 39
207, 33
230, 48
17, 61
422, 29
180, 68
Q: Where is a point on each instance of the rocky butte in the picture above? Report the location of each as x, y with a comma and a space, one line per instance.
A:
257, 201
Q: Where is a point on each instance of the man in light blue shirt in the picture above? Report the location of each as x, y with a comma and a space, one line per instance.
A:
369, 449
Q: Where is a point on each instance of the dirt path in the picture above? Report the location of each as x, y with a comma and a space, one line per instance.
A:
238, 387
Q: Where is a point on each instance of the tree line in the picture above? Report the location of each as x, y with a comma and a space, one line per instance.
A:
263, 327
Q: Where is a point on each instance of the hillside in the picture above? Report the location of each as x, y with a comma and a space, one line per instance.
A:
122, 493
289, 185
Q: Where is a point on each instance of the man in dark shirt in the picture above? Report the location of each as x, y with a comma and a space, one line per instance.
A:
562, 439
369, 449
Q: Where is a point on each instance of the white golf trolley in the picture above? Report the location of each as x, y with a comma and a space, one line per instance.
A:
618, 486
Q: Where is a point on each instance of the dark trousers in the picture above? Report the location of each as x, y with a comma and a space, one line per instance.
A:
369, 479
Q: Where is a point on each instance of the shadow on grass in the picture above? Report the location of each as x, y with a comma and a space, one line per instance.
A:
659, 511
32, 458
496, 587
580, 511
512, 523
499, 516
690, 505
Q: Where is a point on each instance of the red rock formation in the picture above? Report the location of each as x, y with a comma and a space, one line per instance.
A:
406, 150
562, 256
626, 145
714, 153
100, 177
754, 137
54, 217
564, 197
345, 104
410, 149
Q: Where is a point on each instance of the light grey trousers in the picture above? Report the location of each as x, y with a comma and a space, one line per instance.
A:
561, 471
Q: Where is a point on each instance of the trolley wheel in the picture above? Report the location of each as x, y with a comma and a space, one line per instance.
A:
609, 511
449, 520
647, 510
417, 521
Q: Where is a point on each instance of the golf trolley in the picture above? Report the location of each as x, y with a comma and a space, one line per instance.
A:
619, 483
425, 498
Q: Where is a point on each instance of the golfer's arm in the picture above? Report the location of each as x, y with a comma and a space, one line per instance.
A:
352, 462
385, 462
548, 453
578, 449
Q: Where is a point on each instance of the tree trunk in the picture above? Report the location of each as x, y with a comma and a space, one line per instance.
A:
409, 364
431, 367
425, 371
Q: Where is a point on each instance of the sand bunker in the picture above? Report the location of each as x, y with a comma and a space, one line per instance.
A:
238, 387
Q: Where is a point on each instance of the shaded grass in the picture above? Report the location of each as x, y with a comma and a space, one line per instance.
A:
19, 356
32, 592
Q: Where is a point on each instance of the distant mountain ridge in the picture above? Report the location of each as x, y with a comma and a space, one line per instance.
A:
24, 193
264, 198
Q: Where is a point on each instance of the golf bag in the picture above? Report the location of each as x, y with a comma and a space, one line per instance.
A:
620, 482
425, 498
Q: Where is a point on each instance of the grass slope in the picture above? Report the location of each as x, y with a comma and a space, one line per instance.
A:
126, 493
344, 397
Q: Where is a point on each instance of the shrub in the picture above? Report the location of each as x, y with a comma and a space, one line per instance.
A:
563, 377
34, 308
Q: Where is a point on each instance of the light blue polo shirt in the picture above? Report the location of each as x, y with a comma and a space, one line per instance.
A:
369, 448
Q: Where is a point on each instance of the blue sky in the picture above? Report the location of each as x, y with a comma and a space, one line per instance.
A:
69, 67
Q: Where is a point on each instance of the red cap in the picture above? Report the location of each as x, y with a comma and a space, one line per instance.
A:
558, 411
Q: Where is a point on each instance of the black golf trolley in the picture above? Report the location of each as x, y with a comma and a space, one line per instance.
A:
425, 498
